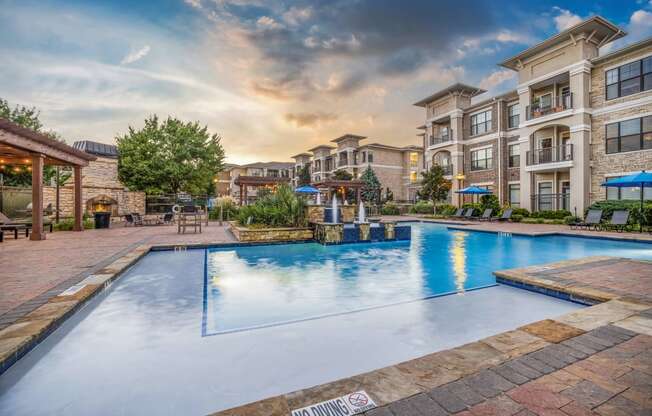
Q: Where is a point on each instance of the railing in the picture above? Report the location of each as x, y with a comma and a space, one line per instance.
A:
448, 169
561, 153
551, 202
560, 103
342, 162
439, 140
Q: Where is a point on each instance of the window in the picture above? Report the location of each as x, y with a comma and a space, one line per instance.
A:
513, 114
414, 159
364, 157
444, 133
514, 194
616, 194
545, 196
629, 135
514, 156
413, 177
629, 79
481, 123
482, 159
370, 157
545, 101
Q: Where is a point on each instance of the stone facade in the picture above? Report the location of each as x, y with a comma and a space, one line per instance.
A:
99, 183
245, 234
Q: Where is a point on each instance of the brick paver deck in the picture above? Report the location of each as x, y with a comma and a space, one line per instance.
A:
34, 271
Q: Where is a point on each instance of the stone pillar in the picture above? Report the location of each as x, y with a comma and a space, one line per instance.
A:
525, 144
37, 198
79, 206
364, 231
580, 172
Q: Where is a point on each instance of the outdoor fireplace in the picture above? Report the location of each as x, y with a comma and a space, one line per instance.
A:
102, 203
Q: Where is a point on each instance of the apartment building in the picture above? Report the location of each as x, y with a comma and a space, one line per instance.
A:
576, 119
226, 179
397, 168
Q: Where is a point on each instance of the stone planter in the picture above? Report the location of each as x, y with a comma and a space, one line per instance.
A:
327, 233
257, 235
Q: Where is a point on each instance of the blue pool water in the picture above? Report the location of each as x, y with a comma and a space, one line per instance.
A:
256, 286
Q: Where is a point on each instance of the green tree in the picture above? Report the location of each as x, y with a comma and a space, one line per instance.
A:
304, 176
342, 175
370, 191
434, 187
169, 157
27, 117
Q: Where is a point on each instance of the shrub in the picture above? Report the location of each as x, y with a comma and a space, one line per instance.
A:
551, 214
390, 209
422, 207
490, 202
476, 207
229, 210
532, 220
520, 211
282, 208
446, 209
68, 224
516, 218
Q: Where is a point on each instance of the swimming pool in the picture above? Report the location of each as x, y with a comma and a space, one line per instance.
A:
171, 336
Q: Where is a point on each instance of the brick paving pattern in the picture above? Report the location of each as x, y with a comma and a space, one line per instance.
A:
606, 371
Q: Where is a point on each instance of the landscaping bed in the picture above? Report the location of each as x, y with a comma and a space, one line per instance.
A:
263, 234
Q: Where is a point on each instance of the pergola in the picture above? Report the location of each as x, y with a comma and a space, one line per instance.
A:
22, 146
333, 184
257, 181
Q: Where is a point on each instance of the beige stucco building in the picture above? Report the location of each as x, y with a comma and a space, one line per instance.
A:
226, 185
397, 168
576, 119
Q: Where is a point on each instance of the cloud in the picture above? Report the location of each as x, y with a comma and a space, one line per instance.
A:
136, 55
565, 19
309, 119
496, 78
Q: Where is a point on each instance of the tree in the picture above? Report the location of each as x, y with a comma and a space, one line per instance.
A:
434, 187
342, 175
370, 191
27, 117
169, 157
304, 176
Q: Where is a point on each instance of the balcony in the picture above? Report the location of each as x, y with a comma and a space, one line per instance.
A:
559, 104
550, 202
548, 155
439, 140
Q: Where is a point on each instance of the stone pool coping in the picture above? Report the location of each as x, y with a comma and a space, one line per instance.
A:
385, 385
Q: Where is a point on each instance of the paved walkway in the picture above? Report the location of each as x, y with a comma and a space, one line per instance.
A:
35, 271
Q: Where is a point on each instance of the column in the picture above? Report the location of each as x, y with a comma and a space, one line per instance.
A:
37, 198
525, 144
79, 211
457, 155
580, 172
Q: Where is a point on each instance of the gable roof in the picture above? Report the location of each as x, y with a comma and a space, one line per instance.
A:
96, 148
458, 87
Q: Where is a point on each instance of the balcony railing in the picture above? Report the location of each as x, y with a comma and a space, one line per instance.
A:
439, 140
448, 169
561, 153
560, 103
551, 202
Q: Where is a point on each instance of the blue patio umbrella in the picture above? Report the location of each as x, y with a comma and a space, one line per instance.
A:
473, 190
641, 180
306, 189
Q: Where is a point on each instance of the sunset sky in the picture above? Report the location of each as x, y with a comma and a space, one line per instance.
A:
273, 78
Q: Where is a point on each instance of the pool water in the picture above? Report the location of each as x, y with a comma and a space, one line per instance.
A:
170, 336
256, 286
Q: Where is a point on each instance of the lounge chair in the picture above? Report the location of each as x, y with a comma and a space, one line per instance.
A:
486, 215
468, 215
592, 220
458, 213
507, 214
618, 221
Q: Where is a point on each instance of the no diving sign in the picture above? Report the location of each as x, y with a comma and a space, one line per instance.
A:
349, 404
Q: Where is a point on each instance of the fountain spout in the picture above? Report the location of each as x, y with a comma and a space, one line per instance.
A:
361, 214
335, 213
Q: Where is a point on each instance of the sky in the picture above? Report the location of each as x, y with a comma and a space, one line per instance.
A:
273, 78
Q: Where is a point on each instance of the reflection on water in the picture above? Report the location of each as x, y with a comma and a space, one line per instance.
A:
458, 254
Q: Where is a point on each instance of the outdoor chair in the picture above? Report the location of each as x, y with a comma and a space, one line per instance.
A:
486, 215
618, 221
189, 221
15, 228
507, 214
458, 213
468, 215
168, 218
592, 220
138, 220
21, 224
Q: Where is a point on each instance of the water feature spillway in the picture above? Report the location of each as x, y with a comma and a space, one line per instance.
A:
335, 213
361, 214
